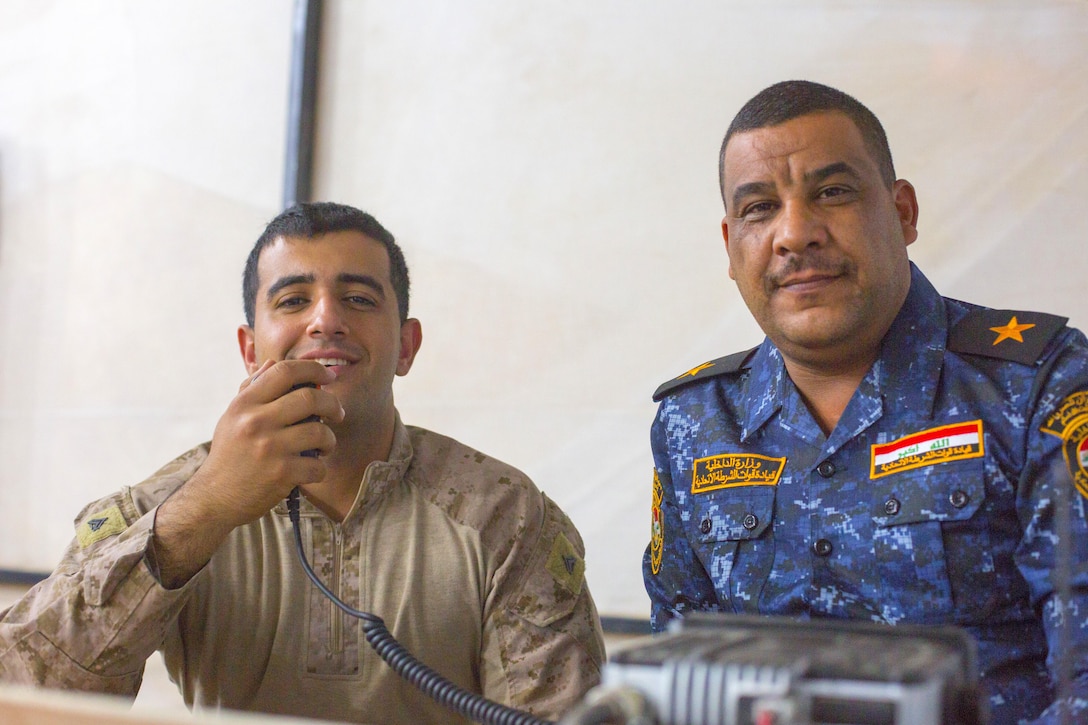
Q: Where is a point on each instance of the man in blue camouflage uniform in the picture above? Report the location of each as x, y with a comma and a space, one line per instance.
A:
886, 454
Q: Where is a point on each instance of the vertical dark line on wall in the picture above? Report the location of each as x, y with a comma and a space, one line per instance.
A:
302, 102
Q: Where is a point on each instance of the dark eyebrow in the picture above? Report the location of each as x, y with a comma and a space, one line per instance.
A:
839, 167
816, 176
346, 278
750, 189
364, 279
287, 282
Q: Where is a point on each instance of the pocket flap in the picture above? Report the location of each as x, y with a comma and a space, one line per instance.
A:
951, 491
734, 514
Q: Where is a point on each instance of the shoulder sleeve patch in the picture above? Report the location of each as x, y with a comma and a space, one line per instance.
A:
100, 525
657, 527
1005, 334
722, 366
566, 565
1070, 423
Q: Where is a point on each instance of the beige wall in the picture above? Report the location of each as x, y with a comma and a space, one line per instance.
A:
550, 170
141, 149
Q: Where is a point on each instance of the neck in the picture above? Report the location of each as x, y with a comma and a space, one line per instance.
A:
357, 446
827, 390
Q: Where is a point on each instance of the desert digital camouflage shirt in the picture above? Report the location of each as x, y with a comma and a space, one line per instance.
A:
473, 569
952, 491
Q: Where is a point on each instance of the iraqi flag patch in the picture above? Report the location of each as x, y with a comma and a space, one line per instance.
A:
945, 443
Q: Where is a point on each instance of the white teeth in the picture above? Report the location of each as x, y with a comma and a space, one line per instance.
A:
327, 361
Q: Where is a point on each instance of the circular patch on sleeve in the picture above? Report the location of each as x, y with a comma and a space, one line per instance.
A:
1070, 423
657, 528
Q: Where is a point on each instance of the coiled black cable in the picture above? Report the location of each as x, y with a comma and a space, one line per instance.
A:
402, 661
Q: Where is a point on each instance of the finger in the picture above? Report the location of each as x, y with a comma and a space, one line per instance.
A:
305, 403
252, 378
277, 379
308, 371
298, 470
313, 439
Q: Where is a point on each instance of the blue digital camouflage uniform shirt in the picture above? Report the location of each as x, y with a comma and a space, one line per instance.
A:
937, 499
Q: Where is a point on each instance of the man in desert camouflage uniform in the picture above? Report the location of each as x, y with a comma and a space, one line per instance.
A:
886, 454
472, 568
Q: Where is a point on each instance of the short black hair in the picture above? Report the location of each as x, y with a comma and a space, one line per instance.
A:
311, 219
788, 100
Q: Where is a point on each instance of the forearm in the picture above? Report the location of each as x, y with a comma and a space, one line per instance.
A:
185, 535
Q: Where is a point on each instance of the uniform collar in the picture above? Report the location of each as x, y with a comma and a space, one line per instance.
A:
912, 354
908, 369
378, 478
380, 475
768, 374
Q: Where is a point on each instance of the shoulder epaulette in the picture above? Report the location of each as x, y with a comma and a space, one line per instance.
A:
722, 366
1005, 334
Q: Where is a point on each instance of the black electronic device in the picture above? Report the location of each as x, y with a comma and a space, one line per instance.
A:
312, 452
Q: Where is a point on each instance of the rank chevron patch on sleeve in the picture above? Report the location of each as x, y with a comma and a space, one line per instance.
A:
100, 525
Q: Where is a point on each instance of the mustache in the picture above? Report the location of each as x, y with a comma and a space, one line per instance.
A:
808, 263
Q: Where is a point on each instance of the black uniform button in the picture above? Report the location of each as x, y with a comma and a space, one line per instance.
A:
704, 526
958, 498
891, 506
822, 547
750, 521
826, 469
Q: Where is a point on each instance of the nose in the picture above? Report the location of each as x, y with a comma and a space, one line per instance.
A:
327, 318
798, 228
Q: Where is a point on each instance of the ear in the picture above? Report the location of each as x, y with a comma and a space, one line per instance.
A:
906, 204
248, 349
725, 236
411, 337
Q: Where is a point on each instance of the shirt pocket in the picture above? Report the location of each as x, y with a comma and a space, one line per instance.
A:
932, 544
731, 533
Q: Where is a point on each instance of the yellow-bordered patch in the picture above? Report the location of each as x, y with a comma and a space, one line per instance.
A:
657, 527
99, 525
729, 470
1070, 423
942, 444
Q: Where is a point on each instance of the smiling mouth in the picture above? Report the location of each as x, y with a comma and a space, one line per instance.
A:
331, 361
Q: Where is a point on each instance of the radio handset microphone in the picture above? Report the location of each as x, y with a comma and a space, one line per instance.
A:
312, 452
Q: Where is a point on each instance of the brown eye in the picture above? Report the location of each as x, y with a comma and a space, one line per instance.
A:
830, 192
757, 209
293, 301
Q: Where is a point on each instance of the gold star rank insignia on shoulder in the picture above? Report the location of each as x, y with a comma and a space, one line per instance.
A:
1005, 334
696, 370
722, 366
1011, 331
